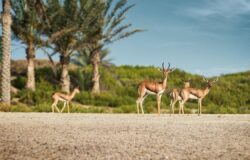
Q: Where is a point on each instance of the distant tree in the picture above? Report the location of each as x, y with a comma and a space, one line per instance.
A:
27, 24
83, 58
109, 28
6, 57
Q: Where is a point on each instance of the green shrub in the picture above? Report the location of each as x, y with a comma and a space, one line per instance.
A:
19, 82
5, 107
128, 109
20, 108
42, 107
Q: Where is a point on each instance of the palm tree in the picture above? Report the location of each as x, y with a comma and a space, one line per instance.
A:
1, 51
110, 29
83, 58
26, 26
75, 16
6, 40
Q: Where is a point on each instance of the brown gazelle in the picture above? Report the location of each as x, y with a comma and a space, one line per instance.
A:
66, 98
156, 88
193, 93
175, 96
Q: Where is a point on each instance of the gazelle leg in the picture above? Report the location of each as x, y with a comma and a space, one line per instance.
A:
68, 106
57, 108
52, 108
199, 107
64, 105
180, 106
158, 97
54, 105
141, 104
138, 101
171, 107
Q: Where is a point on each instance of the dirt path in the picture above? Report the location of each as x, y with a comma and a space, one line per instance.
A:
120, 136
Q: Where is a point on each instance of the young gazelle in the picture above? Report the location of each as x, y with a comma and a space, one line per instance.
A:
175, 96
66, 98
156, 88
193, 93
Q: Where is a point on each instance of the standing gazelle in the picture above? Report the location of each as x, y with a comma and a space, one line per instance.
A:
156, 88
66, 98
193, 93
175, 96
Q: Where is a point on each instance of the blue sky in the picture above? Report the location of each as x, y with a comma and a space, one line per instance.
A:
208, 37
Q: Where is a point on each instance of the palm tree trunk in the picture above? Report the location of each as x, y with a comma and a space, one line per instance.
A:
30, 55
95, 74
6, 35
65, 79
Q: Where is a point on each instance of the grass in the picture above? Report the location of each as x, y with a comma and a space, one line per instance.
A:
76, 107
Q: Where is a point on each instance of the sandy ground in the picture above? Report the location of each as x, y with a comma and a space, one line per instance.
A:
123, 136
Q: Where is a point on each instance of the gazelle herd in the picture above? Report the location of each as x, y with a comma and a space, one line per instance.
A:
182, 96
146, 88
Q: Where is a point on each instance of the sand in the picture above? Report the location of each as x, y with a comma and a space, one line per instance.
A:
123, 136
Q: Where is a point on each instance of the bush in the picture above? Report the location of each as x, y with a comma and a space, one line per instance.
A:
15, 108
20, 108
42, 107
19, 82
43, 93
5, 108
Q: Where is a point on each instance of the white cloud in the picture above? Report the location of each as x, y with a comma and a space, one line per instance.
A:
218, 71
223, 8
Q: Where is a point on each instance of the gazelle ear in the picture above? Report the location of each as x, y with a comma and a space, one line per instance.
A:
159, 69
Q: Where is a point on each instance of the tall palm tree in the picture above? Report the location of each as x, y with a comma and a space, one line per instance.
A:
111, 29
74, 15
6, 40
1, 51
27, 24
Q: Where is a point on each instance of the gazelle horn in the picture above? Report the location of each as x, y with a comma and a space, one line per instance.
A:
205, 79
216, 79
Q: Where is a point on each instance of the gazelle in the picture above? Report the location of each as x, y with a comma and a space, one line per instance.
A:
156, 88
66, 98
193, 93
175, 96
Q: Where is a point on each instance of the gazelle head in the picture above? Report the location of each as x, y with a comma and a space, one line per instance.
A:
77, 90
165, 71
187, 83
210, 83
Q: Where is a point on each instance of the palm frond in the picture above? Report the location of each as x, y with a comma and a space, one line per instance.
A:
108, 5
127, 34
118, 5
118, 19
